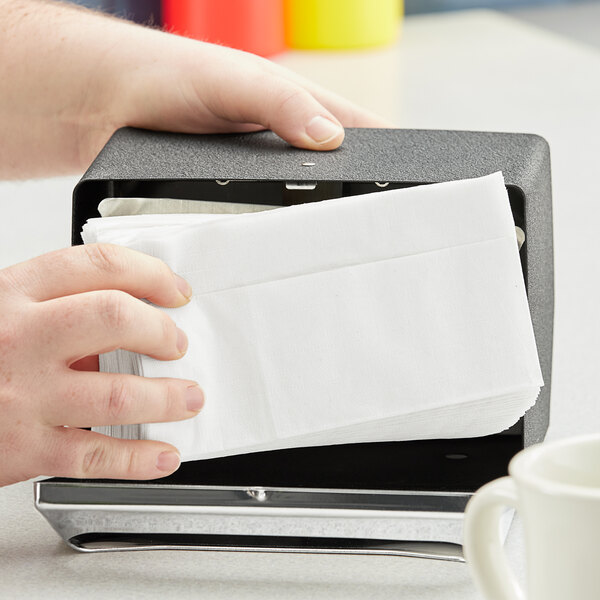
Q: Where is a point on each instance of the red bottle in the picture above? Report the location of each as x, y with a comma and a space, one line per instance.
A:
253, 25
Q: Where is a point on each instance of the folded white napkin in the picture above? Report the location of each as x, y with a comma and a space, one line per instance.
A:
115, 207
396, 315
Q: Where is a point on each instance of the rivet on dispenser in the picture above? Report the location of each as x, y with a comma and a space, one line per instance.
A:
259, 494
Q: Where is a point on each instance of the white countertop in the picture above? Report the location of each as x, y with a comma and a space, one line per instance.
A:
473, 70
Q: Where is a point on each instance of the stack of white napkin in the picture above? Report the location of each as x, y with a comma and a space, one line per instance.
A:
396, 315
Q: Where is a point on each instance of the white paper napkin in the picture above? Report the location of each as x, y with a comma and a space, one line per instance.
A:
396, 315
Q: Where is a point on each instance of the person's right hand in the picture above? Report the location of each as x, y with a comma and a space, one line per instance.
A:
57, 311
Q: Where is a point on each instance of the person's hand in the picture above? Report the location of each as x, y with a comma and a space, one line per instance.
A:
89, 74
58, 311
198, 87
184, 85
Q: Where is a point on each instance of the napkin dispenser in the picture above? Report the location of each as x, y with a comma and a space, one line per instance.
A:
403, 498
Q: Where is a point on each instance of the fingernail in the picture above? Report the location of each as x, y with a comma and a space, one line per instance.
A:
323, 130
182, 341
194, 398
168, 461
183, 286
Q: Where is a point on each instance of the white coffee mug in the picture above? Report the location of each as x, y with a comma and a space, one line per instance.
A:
555, 488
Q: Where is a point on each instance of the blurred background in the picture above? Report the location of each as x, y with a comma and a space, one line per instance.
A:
269, 27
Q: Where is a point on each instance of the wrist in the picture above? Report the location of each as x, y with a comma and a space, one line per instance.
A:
140, 82
153, 81
108, 98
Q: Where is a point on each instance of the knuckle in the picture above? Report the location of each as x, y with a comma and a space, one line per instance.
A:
159, 278
164, 271
168, 329
134, 462
94, 461
114, 309
289, 96
118, 399
173, 400
69, 455
104, 257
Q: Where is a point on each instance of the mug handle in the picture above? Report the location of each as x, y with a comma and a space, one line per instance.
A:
483, 547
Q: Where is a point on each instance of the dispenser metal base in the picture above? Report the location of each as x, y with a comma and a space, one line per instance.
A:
99, 517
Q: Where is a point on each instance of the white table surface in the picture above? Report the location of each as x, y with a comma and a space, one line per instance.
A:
474, 70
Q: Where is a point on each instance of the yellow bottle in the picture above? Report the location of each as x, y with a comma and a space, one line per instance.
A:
341, 23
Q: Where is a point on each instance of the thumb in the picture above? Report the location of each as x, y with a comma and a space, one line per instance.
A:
285, 107
296, 116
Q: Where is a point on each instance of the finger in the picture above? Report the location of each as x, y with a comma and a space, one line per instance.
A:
97, 267
93, 399
289, 104
90, 455
279, 104
220, 125
348, 113
97, 322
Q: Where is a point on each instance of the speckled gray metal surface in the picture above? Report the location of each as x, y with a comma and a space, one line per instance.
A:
367, 155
